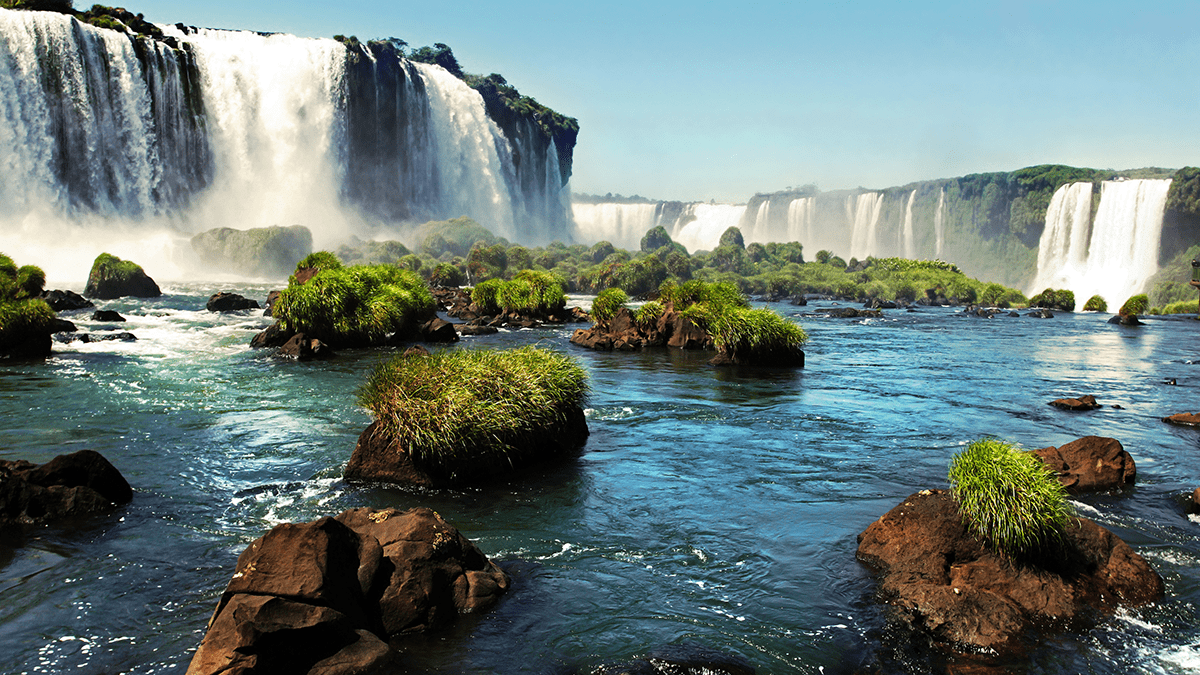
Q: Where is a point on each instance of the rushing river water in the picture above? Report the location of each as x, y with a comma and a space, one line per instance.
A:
710, 506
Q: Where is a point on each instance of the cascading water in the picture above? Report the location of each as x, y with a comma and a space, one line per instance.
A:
863, 214
1116, 257
701, 225
110, 141
800, 220
910, 243
760, 229
623, 225
939, 223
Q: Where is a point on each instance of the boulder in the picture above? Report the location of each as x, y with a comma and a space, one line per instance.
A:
62, 301
112, 278
269, 306
1194, 506
1040, 314
851, 313
681, 659
1183, 419
230, 302
940, 581
1126, 320
273, 336
1082, 403
474, 329
262, 252
107, 315
68, 485
68, 338
328, 596
62, 326
1090, 464
437, 330
303, 348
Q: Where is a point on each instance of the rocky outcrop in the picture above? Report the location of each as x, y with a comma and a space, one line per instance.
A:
1087, 402
263, 252
623, 333
303, 348
1091, 464
230, 302
850, 313
380, 457
327, 596
1126, 320
69, 485
63, 301
113, 278
437, 330
456, 302
1183, 419
939, 581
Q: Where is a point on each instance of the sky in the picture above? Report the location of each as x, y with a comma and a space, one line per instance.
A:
707, 101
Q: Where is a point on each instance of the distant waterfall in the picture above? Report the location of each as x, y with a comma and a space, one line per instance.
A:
112, 135
800, 221
760, 229
623, 225
1114, 257
939, 223
701, 225
910, 244
863, 214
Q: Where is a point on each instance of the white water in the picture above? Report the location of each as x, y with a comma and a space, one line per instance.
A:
939, 226
100, 155
703, 224
910, 244
623, 225
863, 214
800, 221
760, 230
1117, 256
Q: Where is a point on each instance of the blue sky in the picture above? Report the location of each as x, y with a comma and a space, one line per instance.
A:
698, 101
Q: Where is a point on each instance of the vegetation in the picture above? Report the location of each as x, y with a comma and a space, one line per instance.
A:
1009, 498
112, 277
1051, 299
737, 330
452, 407
1181, 307
319, 260
355, 306
22, 312
1135, 305
607, 303
1170, 284
1095, 304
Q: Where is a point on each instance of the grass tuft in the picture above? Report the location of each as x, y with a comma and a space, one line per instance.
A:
737, 330
607, 303
1095, 304
21, 312
1135, 305
1009, 498
529, 292
355, 306
455, 406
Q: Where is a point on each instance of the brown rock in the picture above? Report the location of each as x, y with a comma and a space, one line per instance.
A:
1082, 403
273, 336
229, 302
415, 350
1184, 419
437, 330
68, 485
939, 580
1194, 507
1091, 463
303, 348
269, 307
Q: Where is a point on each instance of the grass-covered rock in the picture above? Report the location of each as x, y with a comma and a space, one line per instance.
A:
529, 293
458, 415
356, 306
1050, 298
261, 252
1009, 498
1095, 304
26, 320
113, 278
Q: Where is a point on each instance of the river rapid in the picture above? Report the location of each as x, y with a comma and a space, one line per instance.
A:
710, 506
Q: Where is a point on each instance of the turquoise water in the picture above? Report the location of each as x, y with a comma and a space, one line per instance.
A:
713, 506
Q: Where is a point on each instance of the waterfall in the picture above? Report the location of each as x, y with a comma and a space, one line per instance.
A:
760, 229
108, 140
939, 226
863, 214
701, 225
623, 225
800, 221
1117, 255
910, 244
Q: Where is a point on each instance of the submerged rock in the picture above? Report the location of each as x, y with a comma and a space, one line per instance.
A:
68, 485
1183, 419
682, 659
63, 301
1082, 403
303, 348
328, 596
1091, 463
107, 315
229, 302
941, 582
68, 338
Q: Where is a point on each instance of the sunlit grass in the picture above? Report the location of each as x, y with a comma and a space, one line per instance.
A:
357, 305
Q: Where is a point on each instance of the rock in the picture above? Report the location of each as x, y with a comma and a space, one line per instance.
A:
327, 596
230, 302
303, 348
852, 313
68, 338
1126, 320
1087, 402
262, 252
876, 303
62, 326
68, 485
437, 330
682, 659
1040, 314
107, 315
1194, 506
62, 301
112, 278
272, 297
799, 301
473, 329
273, 336
1183, 419
939, 580
1090, 464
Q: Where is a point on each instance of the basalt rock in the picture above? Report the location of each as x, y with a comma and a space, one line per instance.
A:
475, 329
272, 297
107, 315
851, 313
1090, 464
1126, 320
1183, 419
68, 485
68, 338
328, 596
1194, 505
682, 659
941, 583
437, 330
1040, 314
303, 348
230, 302
273, 336
1082, 403
623, 333
63, 301
112, 278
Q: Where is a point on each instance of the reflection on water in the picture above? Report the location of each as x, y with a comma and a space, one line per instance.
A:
718, 506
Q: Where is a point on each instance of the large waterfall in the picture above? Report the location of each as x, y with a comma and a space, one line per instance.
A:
701, 225
863, 214
131, 145
622, 225
1113, 255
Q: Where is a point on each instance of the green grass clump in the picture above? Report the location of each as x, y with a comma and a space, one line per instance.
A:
21, 312
1095, 304
648, 314
454, 406
1051, 299
529, 292
319, 260
606, 304
355, 306
1135, 305
1183, 307
1009, 498
737, 330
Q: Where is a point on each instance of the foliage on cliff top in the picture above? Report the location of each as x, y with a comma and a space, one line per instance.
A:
551, 123
1184, 195
449, 407
21, 311
1009, 498
355, 306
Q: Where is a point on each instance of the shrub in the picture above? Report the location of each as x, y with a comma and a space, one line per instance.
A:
447, 274
648, 314
606, 304
1135, 305
1095, 304
1009, 498
732, 236
1051, 299
486, 295
655, 238
450, 407
529, 292
355, 306
1184, 307
319, 260
21, 312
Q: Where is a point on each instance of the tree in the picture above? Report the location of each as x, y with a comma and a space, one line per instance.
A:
655, 238
732, 237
